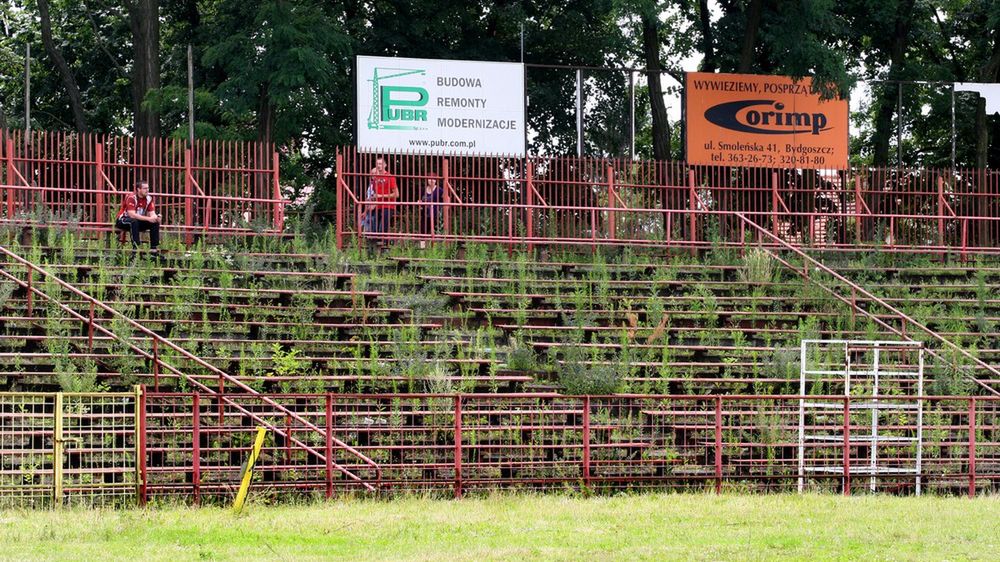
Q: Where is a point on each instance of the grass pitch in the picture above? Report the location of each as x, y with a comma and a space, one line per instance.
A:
524, 527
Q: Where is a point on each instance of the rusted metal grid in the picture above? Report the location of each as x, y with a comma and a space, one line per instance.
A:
594, 201
69, 449
460, 444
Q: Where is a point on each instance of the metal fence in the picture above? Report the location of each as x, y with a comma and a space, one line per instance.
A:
101, 449
210, 186
69, 449
457, 444
591, 201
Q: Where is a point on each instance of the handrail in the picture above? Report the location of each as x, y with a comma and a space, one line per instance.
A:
197, 360
855, 287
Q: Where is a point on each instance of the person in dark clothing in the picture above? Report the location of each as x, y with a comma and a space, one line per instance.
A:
430, 212
138, 214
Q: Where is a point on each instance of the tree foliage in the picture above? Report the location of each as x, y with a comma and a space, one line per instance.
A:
281, 70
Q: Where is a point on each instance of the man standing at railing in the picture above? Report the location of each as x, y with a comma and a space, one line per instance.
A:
384, 196
138, 214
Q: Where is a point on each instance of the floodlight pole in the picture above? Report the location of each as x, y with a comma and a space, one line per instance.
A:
190, 97
953, 127
631, 115
27, 91
579, 112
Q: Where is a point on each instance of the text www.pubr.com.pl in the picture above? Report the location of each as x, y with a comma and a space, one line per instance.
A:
443, 143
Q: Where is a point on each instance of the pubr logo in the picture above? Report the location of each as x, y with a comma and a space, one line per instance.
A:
727, 116
393, 104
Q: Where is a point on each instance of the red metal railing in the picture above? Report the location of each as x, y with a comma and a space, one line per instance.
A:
249, 404
560, 200
456, 444
211, 186
860, 295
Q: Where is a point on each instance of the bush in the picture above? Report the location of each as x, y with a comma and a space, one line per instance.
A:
758, 267
577, 377
521, 358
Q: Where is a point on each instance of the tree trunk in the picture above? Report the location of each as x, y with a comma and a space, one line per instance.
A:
887, 97
68, 80
988, 73
144, 22
708, 64
265, 116
748, 48
651, 50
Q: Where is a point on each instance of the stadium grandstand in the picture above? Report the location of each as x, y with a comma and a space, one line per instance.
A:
536, 323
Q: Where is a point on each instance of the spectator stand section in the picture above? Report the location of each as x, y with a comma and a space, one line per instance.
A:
550, 201
210, 187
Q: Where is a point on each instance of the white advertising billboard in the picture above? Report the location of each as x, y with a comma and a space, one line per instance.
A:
440, 106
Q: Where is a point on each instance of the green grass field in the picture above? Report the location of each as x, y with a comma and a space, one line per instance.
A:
653, 527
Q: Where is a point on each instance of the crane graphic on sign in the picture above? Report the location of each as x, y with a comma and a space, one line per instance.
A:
386, 108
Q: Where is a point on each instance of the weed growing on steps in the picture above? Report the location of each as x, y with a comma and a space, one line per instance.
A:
757, 267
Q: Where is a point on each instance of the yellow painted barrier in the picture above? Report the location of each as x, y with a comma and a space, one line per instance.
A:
247, 473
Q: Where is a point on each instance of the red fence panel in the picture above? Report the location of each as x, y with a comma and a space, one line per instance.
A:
595, 201
212, 187
455, 444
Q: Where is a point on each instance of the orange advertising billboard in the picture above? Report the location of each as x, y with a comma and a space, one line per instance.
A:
773, 121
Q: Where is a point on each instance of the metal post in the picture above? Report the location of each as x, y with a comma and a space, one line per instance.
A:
329, 445
611, 203
693, 206
858, 201
899, 125
586, 441
579, 112
940, 190
10, 178
631, 115
718, 444
873, 456
458, 445
99, 194
188, 202
57, 452
140, 443
196, 448
774, 203
27, 91
920, 415
279, 206
340, 201
529, 196
972, 447
802, 415
446, 196
953, 132
190, 97
847, 445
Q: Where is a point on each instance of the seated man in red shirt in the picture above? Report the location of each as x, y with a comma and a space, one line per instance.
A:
384, 195
137, 214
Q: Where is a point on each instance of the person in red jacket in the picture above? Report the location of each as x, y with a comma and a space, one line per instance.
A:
138, 214
384, 194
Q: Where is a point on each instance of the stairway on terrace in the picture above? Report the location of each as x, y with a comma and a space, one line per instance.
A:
469, 320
